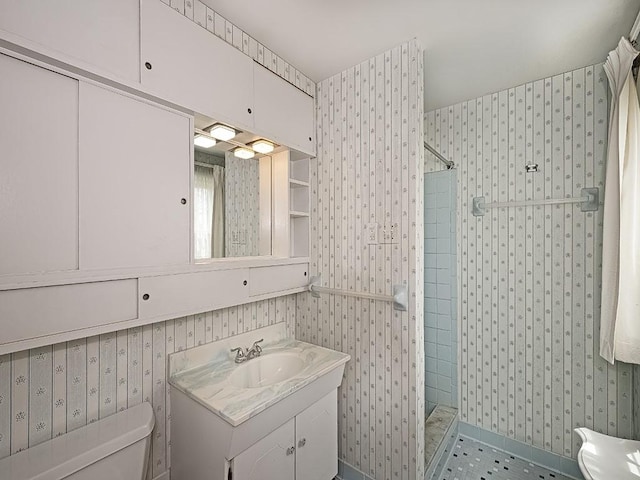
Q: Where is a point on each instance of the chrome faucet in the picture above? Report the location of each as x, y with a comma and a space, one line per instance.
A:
244, 354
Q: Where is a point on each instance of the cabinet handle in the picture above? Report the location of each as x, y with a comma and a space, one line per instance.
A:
310, 139
145, 296
302, 443
244, 283
305, 274
148, 65
249, 110
290, 450
183, 201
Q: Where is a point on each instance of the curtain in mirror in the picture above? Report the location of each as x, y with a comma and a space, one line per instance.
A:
208, 212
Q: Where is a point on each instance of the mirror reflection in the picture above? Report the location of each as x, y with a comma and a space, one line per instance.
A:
231, 201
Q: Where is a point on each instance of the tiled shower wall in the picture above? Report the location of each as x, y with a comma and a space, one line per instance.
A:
530, 277
440, 289
48, 391
370, 170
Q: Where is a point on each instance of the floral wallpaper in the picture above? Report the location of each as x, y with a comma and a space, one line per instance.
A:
369, 169
529, 281
51, 390
199, 13
242, 207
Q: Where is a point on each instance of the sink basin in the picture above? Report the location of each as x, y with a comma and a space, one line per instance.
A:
266, 370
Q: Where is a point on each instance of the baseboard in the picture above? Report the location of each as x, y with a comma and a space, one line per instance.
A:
552, 461
349, 472
166, 475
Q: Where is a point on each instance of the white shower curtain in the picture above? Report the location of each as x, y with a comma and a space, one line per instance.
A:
620, 318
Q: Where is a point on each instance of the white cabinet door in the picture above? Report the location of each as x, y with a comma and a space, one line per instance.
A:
317, 440
189, 66
270, 458
38, 169
282, 112
28, 313
100, 33
170, 296
265, 280
134, 182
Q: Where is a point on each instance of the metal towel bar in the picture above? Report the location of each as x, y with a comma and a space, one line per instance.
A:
589, 201
399, 297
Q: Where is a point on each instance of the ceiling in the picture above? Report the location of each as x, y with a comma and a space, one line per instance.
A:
471, 47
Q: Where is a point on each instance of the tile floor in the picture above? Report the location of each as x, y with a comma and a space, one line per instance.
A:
471, 460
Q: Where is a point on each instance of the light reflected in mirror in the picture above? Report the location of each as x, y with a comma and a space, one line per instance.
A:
231, 203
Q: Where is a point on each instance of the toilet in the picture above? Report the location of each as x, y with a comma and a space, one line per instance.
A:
114, 448
602, 457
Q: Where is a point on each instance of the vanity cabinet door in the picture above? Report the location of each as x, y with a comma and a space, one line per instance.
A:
97, 33
189, 66
134, 182
38, 169
271, 457
317, 440
283, 113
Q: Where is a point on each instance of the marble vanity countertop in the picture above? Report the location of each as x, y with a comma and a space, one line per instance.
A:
208, 384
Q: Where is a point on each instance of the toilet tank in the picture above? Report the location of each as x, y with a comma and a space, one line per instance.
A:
114, 448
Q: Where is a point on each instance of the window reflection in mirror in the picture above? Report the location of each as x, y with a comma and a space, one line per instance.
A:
231, 204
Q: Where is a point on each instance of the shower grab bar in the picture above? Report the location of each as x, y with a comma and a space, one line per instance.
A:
589, 201
399, 297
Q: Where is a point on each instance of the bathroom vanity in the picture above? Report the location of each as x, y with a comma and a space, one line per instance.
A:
274, 416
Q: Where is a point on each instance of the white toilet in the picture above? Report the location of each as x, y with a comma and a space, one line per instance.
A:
114, 448
602, 457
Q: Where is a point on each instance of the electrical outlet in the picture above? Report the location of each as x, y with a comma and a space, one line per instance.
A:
389, 234
372, 233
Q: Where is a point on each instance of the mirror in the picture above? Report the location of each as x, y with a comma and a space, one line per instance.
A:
231, 200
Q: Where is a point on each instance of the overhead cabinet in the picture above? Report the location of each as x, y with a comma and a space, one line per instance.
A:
187, 65
135, 198
97, 35
283, 112
38, 169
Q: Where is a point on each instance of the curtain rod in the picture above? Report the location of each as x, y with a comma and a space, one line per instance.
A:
635, 30
437, 154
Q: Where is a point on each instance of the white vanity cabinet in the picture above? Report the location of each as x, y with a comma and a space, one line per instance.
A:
135, 198
304, 448
38, 169
98, 35
185, 64
282, 112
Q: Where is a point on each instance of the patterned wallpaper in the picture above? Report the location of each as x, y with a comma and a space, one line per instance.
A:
242, 207
199, 13
48, 391
370, 169
530, 277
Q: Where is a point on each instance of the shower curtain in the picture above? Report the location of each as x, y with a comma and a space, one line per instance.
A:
620, 318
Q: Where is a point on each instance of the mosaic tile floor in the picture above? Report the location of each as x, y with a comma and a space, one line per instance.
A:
471, 460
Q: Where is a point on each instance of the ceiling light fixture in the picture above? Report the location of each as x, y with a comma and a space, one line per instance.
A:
243, 153
222, 132
263, 146
204, 141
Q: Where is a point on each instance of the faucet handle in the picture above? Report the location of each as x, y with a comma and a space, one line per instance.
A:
240, 354
255, 347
